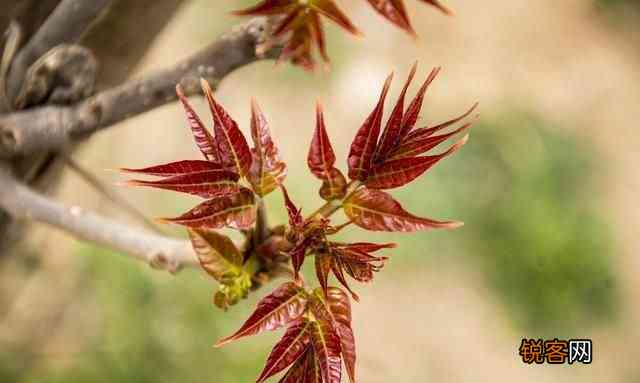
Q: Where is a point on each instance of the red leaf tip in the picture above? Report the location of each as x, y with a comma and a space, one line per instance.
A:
206, 87
179, 90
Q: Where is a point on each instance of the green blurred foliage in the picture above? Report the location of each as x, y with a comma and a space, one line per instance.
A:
618, 3
149, 328
526, 191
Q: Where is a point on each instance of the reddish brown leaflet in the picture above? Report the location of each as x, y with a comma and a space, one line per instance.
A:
321, 161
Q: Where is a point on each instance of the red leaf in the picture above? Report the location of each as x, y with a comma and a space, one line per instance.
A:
366, 247
295, 216
377, 211
395, 12
413, 111
232, 147
417, 147
340, 308
204, 139
236, 211
297, 373
364, 144
176, 168
391, 134
290, 348
323, 267
297, 256
316, 32
206, 184
395, 173
326, 343
329, 9
336, 268
267, 7
321, 160
422, 133
217, 254
440, 6
284, 305
267, 169
335, 187
304, 370
314, 373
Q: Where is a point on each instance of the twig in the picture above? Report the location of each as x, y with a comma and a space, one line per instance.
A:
109, 194
159, 251
54, 127
66, 24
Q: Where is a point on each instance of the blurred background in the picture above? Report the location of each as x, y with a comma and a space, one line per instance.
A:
547, 187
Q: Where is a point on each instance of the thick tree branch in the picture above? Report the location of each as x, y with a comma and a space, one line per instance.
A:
51, 128
65, 25
159, 251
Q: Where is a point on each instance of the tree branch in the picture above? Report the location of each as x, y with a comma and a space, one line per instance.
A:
51, 128
159, 251
65, 25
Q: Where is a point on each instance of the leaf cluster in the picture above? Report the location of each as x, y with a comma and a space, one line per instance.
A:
233, 178
301, 31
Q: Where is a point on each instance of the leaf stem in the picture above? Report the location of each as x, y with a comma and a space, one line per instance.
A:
261, 231
332, 206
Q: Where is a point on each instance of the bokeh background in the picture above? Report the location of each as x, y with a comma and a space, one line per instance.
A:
547, 187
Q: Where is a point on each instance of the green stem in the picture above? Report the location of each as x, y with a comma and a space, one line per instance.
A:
261, 231
332, 206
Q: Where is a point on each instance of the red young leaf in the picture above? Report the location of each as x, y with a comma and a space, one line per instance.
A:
295, 214
391, 134
267, 169
413, 111
323, 267
232, 147
297, 372
336, 268
395, 173
284, 305
422, 133
340, 308
352, 258
267, 7
217, 254
316, 33
329, 9
321, 161
297, 255
367, 247
301, 29
206, 184
376, 210
364, 144
236, 210
314, 374
176, 168
417, 147
359, 265
203, 138
440, 6
304, 370
290, 348
394, 11
335, 187
298, 47
326, 343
